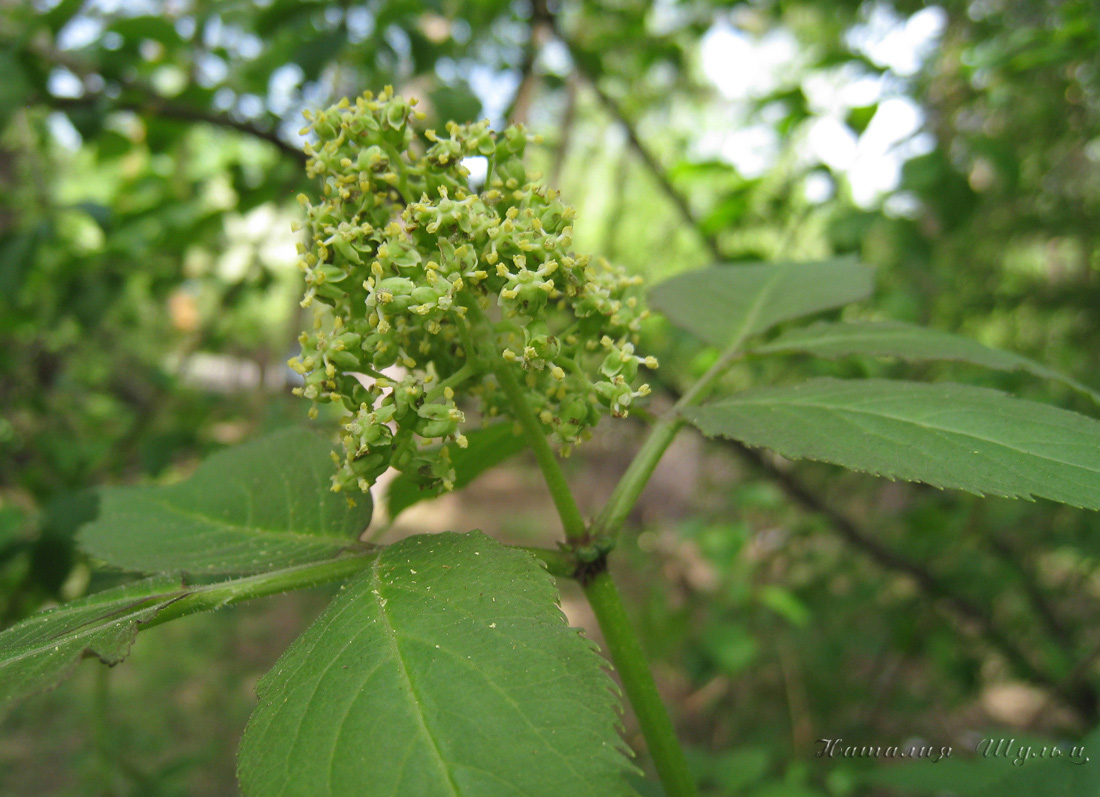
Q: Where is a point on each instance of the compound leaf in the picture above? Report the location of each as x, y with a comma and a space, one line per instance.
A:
723, 304
446, 668
259, 506
946, 435
41, 650
907, 342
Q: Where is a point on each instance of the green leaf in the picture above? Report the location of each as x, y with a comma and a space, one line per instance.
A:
256, 507
859, 117
40, 651
445, 669
148, 27
724, 304
947, 435
486, 448
908, 342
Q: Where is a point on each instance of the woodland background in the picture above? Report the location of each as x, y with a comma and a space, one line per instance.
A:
149, 159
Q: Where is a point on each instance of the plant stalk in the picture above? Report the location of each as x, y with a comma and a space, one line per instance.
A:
558, 563
641, 690
571, 520
634, 480
205, 597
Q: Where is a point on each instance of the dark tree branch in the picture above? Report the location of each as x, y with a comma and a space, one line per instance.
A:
1079, 694
539, 30
150, 102
581, 63
154, 105
1039, 603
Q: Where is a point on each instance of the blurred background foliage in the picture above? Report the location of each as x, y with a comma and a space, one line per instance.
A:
149, 158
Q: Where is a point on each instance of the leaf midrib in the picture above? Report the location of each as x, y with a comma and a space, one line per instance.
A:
747, 326
403, 672
252, 529
875, 331
91, 627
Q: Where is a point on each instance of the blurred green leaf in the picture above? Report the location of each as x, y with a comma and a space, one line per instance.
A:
732, 646
314, 53
456, 102
14, 88
13, 520
860, 117
734, 772
786, 604
724, 303
17, 252
58, 16
54, 551
156, 28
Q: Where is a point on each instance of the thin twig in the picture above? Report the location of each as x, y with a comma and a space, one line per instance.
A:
1080, 695
538, 31
659, 174
158, 106
149, 102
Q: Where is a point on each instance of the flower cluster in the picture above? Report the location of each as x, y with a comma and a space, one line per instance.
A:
429, 287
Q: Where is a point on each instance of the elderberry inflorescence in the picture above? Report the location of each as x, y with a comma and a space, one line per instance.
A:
445, 287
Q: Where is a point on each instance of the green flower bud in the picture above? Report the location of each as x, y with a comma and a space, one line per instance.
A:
369, 466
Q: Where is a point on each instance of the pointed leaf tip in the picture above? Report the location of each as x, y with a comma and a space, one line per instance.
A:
40, 651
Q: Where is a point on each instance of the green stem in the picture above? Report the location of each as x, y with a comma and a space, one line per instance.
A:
630, 486
630, 662
571, 520
101, 731
205, 597
467, 370
490, 162
623, 645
